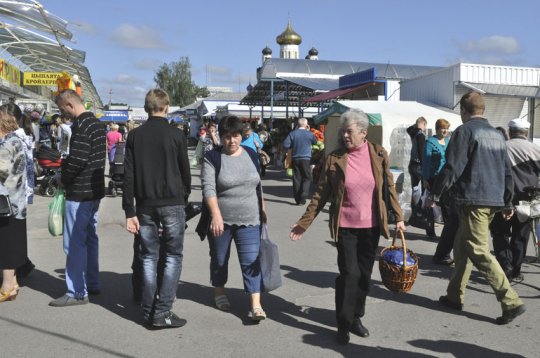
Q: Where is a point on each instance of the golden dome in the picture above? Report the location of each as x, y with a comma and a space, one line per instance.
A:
289, 37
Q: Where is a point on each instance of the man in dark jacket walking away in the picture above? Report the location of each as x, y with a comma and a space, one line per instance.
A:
158, 178
83, 177
300, 141
477, 171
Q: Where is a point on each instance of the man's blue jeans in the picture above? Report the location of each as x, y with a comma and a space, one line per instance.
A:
248, 241
158, 297
81, 247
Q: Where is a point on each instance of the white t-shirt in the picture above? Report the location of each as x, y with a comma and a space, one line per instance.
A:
35, 129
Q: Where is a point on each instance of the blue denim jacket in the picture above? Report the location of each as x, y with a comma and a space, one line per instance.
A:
477, 169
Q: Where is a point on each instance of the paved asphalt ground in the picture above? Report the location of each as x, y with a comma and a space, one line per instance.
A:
301, 321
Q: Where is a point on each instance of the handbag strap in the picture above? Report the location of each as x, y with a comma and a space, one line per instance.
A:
264, 232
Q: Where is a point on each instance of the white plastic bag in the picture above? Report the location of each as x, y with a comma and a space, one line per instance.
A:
416, 194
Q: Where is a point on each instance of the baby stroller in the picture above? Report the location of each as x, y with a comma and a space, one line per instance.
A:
49, 161
116, 168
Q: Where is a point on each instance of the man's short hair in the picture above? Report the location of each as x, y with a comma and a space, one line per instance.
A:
68, 95
156, 100
421, 120
473, 103
302, 122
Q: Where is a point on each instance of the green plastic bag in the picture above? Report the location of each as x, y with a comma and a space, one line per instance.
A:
289, 172
56, 213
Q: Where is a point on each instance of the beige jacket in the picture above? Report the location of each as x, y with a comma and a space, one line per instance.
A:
331, 187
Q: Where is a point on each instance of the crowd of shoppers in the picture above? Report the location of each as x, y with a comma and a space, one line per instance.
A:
356, 180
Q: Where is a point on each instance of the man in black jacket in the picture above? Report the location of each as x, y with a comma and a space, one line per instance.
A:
477, 172
83, 177
418, 141
157, 176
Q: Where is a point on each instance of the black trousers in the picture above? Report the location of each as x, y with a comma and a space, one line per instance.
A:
451, 223
356, 256
301, 179
510, 239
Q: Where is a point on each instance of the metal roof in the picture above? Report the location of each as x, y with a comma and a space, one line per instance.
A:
294, 80
504, 90
316, 84
283, 68
30, 50
321, 97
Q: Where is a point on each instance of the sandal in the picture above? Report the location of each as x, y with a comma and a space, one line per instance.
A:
222, 302
257, 314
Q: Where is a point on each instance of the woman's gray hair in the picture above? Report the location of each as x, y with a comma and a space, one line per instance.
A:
356, 117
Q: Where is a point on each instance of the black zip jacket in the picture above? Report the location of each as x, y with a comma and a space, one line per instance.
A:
157, 171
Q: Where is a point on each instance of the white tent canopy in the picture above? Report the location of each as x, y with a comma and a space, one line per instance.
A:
396, 114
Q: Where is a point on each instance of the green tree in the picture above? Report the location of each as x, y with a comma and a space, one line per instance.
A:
201, 92
175, 79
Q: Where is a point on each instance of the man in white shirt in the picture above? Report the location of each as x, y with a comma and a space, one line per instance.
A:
64, 135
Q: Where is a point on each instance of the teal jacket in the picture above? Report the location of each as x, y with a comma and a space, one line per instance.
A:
434, 157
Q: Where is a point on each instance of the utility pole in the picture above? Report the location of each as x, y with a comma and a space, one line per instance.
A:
110, 96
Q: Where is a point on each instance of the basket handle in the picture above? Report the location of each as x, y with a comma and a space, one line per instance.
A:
403, 245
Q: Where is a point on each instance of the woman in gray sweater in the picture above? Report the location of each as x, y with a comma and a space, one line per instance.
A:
231, 190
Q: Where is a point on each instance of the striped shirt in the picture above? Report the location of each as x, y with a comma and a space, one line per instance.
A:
83, 171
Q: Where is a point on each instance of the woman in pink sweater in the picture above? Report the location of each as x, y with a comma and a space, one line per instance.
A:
353, 180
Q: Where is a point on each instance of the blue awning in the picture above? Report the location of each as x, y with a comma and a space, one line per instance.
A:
114, 116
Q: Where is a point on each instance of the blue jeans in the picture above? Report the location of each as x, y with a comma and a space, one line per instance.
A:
247, 240
158, 297
81, 247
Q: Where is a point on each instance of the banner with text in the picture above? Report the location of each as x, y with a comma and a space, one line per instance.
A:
40, 78
10, 73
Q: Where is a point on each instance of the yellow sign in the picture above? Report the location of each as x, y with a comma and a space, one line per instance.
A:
10, 73
40, 78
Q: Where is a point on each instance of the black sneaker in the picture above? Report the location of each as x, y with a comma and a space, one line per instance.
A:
517, 277
444, 261
169, 320
509, 315
443, 300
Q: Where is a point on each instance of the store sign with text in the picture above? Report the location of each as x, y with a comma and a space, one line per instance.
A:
40, 78
10, 73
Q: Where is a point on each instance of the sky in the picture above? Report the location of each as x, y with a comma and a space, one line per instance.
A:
127, 40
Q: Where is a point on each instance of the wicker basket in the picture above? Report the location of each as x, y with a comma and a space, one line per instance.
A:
398, 278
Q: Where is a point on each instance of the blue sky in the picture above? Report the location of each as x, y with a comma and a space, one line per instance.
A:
126, 40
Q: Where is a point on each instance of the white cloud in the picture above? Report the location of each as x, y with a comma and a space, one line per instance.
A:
84, 27
495, 44
122, 79
219, 71
148, 64
141, 37
131, 95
